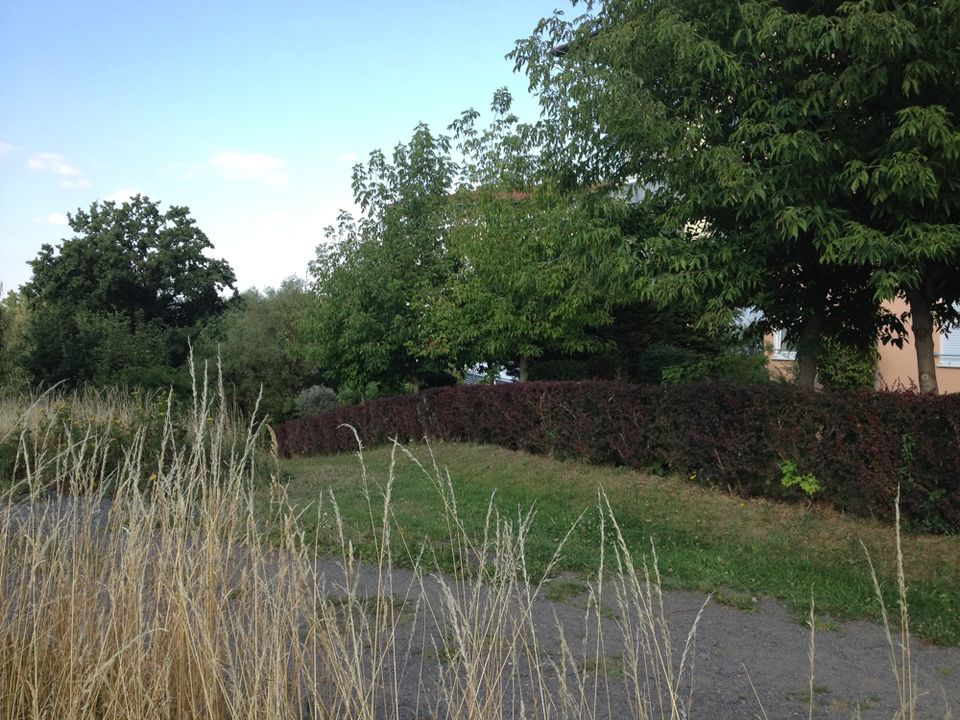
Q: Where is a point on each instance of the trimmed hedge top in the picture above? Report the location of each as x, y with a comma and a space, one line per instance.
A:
859, 446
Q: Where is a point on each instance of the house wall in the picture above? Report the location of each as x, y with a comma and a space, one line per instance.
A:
948, 379
779, 369
896, 367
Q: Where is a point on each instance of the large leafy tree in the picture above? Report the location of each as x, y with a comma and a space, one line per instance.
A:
124, 292
807, 155
535, 268
134, 259
372, 272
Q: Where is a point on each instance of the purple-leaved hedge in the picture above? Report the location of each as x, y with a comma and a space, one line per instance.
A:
858, 446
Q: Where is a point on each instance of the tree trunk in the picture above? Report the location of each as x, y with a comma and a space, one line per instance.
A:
620, 373
806, 368
808, 351
524, 369
922, 325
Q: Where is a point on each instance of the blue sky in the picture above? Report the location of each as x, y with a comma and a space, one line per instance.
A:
249, 113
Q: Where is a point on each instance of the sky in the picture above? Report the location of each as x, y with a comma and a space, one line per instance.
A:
251, 114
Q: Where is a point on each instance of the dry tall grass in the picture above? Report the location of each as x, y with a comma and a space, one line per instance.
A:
162, 599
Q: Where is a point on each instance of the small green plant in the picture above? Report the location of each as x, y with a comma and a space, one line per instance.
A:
564, 590
791, 476
657, 467
737, 599
843, 367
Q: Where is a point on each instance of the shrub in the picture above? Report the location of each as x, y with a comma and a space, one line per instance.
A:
859, 446
843, 367
651, 363
316, 399
725, 367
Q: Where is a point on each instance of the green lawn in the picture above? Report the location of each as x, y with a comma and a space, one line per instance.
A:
706, 540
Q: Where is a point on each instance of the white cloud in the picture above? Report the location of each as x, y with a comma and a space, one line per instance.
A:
347, 157
252, 166
70, 184
57, 219
122, 196
52, 163
269, 243
6, 149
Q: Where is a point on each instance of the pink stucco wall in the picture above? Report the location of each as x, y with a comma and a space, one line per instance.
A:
897, 367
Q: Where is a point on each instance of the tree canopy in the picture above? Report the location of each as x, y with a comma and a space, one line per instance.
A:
261, 345
133, 259
806, 155
371, 273
534, 268
116, 302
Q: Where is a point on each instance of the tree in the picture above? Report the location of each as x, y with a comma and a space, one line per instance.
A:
14, 324
535, 269
807, 155
124, 292
261, 345
133, 259
371, 273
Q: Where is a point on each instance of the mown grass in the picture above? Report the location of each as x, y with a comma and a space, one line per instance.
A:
707, 540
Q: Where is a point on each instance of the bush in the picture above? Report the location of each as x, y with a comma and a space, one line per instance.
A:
725, 367
859, 446
650, 365
316, 399
843, 367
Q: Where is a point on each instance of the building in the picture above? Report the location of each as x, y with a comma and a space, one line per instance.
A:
896, 367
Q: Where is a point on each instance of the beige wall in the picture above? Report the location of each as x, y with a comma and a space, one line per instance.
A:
897, 367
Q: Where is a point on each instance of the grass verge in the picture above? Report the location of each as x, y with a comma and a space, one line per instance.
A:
707, 540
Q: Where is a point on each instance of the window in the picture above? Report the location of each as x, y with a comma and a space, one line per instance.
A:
782, 351
949, 348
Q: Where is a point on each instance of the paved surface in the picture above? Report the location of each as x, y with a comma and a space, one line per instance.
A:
745, 664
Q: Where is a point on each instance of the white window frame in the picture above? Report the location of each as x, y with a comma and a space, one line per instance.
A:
949, 355
780, 349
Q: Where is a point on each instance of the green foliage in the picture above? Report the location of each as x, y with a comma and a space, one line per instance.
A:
372, 273
535, 268
261, 345
134, 260
792, 477
14, 326
120, 299
487, 261
350, 395
804, 159
528, 278
843, 367
726, 367
316, 399
660, 358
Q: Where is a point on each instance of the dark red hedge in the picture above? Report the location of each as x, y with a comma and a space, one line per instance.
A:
859, 446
